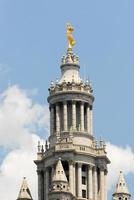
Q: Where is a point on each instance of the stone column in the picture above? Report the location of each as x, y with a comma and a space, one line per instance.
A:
82, 116
90, 182
71, 183
95, 184
88, 119
74, 179
102, 190
65, 115
47, 184
57, 119
52, 119
105, 184
79, 180
91, 120
52, 173
39, 185
44, 184
74, 115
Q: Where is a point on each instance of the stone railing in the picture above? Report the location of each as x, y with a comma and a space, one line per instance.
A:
69, 146
63, 87
64, 146
81, 149
90, 150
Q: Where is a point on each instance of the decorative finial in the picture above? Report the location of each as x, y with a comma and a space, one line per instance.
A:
42, 149
39, 147
71, 41
46, 146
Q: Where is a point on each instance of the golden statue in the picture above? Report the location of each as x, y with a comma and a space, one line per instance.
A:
71, 41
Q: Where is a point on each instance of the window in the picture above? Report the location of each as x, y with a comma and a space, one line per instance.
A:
83, 180
83, 193
84, 168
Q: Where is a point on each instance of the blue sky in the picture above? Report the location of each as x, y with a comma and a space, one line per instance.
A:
32, 42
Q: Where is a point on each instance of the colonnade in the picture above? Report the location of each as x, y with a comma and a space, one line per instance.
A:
95, 185
74, 115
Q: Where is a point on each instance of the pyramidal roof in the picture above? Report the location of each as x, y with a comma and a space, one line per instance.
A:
24, 191
59, 174
121, 186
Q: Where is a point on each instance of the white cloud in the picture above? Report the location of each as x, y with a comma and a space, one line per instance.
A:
17, 164
19, 117
20, 120
122, 159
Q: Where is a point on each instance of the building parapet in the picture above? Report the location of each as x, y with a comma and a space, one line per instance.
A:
70, 86
97, 149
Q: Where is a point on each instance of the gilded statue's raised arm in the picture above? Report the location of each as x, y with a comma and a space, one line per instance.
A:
71, 41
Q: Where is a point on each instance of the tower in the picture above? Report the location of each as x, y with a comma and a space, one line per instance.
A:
121, 191
71, 137
24, 193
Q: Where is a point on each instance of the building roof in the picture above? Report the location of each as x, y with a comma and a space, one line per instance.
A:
24, 191
121, 186
59, 174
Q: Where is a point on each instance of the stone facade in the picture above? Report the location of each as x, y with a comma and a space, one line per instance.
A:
71, 139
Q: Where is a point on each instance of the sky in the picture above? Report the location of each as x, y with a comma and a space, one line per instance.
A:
32, 42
